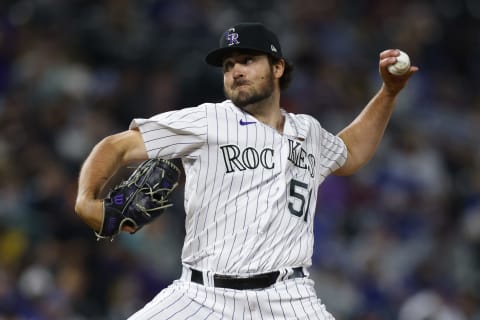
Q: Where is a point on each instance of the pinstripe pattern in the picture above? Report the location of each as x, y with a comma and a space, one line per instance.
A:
250, 196
239, 222
291, 299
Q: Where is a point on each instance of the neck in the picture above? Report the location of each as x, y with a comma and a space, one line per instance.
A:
268, 112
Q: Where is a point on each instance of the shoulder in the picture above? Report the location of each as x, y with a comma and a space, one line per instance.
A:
226, 105
195, 112
303, 124
204, 107
302, 118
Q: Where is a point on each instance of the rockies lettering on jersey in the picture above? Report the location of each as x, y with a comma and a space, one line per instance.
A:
248, 158
250, 191
297, 156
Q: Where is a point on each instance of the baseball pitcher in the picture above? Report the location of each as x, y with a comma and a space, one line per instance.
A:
252, 173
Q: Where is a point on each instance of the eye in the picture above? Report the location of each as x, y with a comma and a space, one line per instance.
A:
227, 66
248, 60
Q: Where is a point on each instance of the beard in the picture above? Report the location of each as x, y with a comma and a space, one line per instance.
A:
244, 98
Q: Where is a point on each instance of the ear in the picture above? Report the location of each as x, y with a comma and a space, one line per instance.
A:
278, 68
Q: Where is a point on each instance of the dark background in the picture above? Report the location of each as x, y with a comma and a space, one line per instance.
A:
398, 240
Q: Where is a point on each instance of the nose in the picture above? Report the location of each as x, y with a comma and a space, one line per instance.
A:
237, 71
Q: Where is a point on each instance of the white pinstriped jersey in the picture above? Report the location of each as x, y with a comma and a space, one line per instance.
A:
250, 191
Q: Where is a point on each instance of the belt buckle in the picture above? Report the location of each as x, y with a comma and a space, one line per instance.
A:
284, 274
290, 273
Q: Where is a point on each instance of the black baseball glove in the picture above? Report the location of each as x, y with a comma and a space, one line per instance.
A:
139, 199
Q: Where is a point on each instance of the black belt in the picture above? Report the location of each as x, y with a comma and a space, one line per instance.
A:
258, 281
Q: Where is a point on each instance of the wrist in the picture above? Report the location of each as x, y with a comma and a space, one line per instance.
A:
89, 210
388, 93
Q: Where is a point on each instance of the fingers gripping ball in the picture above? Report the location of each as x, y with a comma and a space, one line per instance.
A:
139, 199
401, 66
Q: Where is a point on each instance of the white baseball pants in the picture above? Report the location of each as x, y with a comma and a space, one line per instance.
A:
290, 299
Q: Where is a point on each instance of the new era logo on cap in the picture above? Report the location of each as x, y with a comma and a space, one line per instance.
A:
247, 36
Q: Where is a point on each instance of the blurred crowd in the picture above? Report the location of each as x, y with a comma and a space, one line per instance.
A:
398, 240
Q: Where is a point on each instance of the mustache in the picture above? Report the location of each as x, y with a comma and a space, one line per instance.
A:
238, 83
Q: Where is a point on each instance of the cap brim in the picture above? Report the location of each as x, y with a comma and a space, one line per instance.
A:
215, 58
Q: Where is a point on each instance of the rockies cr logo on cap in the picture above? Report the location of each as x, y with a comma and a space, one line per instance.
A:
232, 37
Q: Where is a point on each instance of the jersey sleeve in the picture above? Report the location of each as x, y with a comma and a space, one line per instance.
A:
174, 134
332, 149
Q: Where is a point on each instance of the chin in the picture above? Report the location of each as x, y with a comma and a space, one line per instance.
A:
239, 100
239, 104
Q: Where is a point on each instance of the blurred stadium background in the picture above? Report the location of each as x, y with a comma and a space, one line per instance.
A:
399, 240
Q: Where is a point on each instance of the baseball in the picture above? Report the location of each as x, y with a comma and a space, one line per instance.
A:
401, 66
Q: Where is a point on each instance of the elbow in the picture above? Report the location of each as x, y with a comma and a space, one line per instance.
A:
79, 208
90, 212
353, 163
347, 170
